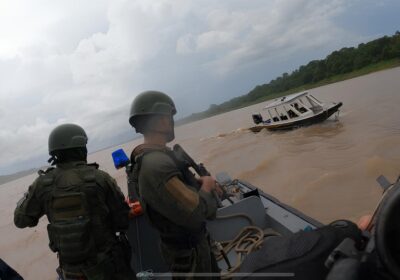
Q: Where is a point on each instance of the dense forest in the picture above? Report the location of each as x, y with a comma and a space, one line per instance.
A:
340, 62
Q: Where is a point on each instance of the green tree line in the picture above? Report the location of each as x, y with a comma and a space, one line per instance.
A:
338, 62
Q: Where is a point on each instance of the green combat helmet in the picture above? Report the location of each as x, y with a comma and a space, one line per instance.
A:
67, 136
150, 103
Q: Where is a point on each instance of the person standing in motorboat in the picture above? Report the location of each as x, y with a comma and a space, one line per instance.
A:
176, 206
85, 208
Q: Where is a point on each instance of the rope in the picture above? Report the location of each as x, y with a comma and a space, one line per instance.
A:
248, 240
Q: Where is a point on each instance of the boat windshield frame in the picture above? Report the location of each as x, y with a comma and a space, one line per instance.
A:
300, 105
286, 99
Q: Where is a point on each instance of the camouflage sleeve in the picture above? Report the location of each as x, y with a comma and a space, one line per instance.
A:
115, 201
29, 209
161, 187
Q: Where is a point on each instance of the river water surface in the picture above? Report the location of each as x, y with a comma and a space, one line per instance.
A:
326, 170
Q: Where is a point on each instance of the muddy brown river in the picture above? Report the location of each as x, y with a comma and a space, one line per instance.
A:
326, 170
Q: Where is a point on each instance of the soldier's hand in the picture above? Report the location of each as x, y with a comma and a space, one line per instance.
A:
207, 183
219, 190
364, 222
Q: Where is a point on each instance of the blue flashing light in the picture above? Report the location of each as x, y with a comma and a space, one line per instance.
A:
120, 158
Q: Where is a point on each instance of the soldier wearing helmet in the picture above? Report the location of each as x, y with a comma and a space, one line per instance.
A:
85, 208
173, 204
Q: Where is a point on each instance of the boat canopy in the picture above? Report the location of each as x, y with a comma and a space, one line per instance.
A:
285, 99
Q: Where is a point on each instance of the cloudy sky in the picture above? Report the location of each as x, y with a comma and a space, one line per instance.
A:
84, 61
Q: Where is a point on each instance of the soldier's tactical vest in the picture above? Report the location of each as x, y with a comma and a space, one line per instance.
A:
180, 236
136, 162
78, 228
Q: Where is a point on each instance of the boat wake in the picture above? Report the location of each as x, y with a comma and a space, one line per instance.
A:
226, 134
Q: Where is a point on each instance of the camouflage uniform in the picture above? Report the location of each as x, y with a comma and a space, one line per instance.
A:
85, 209
177, 209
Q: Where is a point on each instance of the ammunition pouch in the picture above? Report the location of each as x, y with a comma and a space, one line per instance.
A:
72, 240
70, 228
109, 265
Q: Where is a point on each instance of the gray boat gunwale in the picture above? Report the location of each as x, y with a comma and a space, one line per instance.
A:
291, 209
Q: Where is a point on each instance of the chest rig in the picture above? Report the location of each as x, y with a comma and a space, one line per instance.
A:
178, 237
70, 199
133, 170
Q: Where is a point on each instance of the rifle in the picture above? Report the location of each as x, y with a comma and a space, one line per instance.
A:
200, 169
381, 237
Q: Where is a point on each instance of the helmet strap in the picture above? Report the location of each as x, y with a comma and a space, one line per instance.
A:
52, 160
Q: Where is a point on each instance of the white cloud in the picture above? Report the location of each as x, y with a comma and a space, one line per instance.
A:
54, 25
263, 32
186, 44
84, 61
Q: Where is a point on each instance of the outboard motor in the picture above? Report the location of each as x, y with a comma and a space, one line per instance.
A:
257, 118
